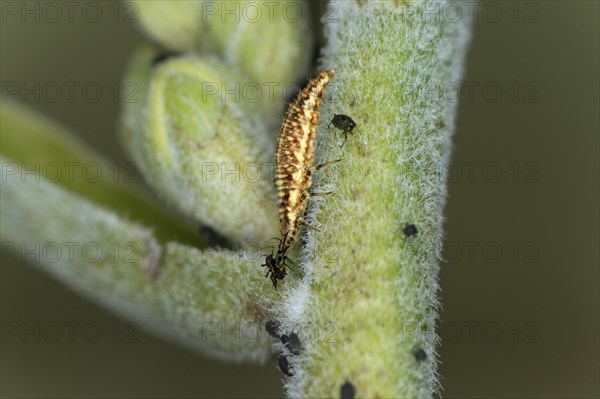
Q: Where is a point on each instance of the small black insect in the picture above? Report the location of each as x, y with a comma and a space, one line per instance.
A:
410, 230
164, 56
292, 342
284, 365
419, 354
344, 123
275, 265
347, 390
272, 328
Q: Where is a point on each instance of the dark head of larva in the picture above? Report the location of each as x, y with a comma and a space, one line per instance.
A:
287, 241
347, 390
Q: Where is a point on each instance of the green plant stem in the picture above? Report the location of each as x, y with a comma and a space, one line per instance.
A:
215, 301
368, 299
45, 151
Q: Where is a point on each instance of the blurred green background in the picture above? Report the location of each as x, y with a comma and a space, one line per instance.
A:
520, 287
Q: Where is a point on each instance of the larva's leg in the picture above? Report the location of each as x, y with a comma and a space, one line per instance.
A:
316, 168
326, 164
320, 194
305, 195
304, 223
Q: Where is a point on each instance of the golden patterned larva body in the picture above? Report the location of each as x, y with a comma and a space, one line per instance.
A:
294, 158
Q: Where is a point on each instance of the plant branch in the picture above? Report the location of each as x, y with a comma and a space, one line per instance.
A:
369, 291
214, 301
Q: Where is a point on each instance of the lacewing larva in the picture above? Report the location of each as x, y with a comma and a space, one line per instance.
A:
294, 157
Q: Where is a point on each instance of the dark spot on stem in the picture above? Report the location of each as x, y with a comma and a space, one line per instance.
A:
347, 390
419, 354
410, 230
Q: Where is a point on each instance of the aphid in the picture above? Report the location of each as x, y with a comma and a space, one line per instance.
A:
275, 265
410, 230
419, 354
284, 365
344, 123
294, 158
347, 390
272, 328
292, 342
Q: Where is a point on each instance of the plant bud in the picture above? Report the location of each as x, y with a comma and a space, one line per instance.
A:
201, 145
175, 24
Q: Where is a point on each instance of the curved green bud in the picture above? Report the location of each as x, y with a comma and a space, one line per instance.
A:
176, 25
43, 150
215, 301
269, 40
200, 144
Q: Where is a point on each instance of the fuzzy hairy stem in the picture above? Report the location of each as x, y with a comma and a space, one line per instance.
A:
41, 146
363, 299
366, 308
213, 300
